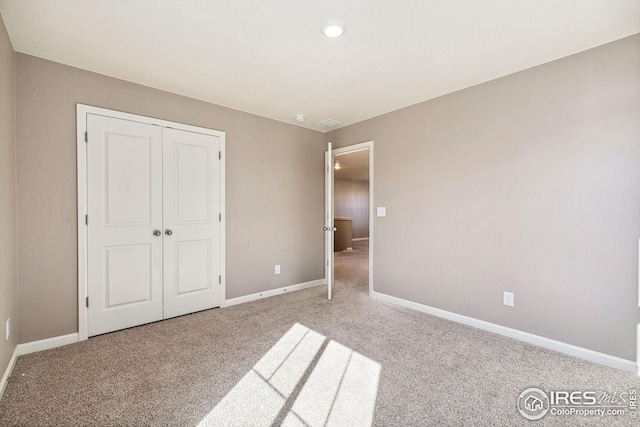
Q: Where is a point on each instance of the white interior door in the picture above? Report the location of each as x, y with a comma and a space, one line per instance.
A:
154, 230
191, 222
124, 259
328, 223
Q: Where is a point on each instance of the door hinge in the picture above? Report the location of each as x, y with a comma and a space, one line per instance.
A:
87, 302
220, 279
219, 217
86, 220
86, 137
220, 155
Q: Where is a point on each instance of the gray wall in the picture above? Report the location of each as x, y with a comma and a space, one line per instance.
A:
530, 184
8, 225
351, 198
274, 182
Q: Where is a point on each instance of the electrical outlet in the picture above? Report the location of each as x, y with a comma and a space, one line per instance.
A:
7, 329
277, 269
507, 299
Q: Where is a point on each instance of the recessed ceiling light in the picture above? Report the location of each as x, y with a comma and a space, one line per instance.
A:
300, 117
334, 29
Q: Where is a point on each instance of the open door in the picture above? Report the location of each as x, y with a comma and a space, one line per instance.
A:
328, 219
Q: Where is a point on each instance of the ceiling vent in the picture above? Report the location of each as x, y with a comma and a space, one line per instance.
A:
330, 123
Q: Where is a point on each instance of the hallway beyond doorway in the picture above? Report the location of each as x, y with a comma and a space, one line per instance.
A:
352, 268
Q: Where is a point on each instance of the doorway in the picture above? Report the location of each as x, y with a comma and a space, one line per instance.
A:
353, 213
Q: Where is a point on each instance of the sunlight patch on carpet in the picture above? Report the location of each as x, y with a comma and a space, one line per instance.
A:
341, 388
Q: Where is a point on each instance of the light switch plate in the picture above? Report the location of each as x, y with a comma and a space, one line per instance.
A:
382, 211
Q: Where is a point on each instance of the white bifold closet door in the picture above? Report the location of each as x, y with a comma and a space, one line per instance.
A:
153, 227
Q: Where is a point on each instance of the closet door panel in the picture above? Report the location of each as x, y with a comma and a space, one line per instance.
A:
191, 188
124, 183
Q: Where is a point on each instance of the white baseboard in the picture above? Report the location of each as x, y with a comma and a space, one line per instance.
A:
8, 371
46, 344
559, 346
273, 292
357, 239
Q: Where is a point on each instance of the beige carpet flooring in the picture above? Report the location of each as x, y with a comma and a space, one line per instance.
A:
173, 373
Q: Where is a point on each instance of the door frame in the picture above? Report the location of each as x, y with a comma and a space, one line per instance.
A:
81, 158
368, 145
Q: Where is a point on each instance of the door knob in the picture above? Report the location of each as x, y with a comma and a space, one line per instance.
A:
168, 232
157, 232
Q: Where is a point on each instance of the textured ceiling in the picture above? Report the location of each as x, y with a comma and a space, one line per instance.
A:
269, 57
